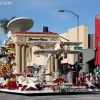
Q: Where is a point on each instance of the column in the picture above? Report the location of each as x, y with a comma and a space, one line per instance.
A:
49, 67
52, 63
26, 56
23, 58
25, 62
56, 64
18, 62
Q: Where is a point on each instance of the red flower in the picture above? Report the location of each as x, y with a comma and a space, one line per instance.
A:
81, 84
12, 76
12, 45
39, 86
59, 80
20, 85
12, 85
31, 88
23, 88
12, 56
1, 86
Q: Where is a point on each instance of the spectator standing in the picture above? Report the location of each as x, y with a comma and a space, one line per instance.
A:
81, 77
30, 74
24, 74
91, 77
70, 77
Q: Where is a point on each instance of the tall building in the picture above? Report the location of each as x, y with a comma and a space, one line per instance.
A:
88, 46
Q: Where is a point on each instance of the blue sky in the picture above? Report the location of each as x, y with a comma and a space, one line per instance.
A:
45, 13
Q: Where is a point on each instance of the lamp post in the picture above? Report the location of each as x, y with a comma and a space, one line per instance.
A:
77, 21
77, 35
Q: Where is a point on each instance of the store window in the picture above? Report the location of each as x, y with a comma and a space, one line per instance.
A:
98, 69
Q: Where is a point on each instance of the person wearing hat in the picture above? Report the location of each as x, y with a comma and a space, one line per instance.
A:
87, 78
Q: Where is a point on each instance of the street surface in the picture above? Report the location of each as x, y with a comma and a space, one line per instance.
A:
75, 96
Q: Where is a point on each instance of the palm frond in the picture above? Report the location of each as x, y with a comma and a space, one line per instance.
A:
4, 22
12, 18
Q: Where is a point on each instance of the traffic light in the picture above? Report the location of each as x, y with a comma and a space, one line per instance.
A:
45, 29
80, 58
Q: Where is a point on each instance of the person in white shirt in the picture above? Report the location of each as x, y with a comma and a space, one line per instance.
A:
91, 77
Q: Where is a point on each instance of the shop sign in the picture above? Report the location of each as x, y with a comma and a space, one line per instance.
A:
38, 39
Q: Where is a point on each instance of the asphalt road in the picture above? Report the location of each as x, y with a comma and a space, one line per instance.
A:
75, 96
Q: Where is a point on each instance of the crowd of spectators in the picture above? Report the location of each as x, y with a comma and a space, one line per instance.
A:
83, 77
91, 77
71, 75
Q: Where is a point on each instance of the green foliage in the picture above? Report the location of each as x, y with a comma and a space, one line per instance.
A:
4, 22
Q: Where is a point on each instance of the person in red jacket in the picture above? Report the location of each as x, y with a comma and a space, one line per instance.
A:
81, 77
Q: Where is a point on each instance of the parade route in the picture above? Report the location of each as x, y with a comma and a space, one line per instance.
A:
75, 96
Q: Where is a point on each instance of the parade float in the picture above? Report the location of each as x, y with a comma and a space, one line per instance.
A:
17, 48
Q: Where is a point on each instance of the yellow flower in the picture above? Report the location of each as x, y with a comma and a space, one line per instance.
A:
7, 80
11, 40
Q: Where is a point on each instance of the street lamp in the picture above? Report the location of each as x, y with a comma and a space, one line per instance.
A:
77, 21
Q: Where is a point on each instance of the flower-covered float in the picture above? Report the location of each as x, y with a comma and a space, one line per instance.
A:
26, 85
9, 82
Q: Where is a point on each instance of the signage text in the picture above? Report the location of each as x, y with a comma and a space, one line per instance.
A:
40, 39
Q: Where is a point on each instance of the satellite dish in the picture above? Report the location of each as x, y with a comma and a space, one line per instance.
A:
20, 24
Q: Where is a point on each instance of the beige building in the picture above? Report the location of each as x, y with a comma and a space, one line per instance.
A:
25, 48
72, 36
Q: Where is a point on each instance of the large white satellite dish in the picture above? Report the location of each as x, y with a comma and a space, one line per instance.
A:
20, 24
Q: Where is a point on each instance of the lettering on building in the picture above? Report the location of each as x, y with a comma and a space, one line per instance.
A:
40, 39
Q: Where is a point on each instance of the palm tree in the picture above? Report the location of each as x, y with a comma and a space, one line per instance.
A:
3, 27
4, 22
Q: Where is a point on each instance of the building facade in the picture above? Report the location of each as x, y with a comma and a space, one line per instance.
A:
88, 46
24, 50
